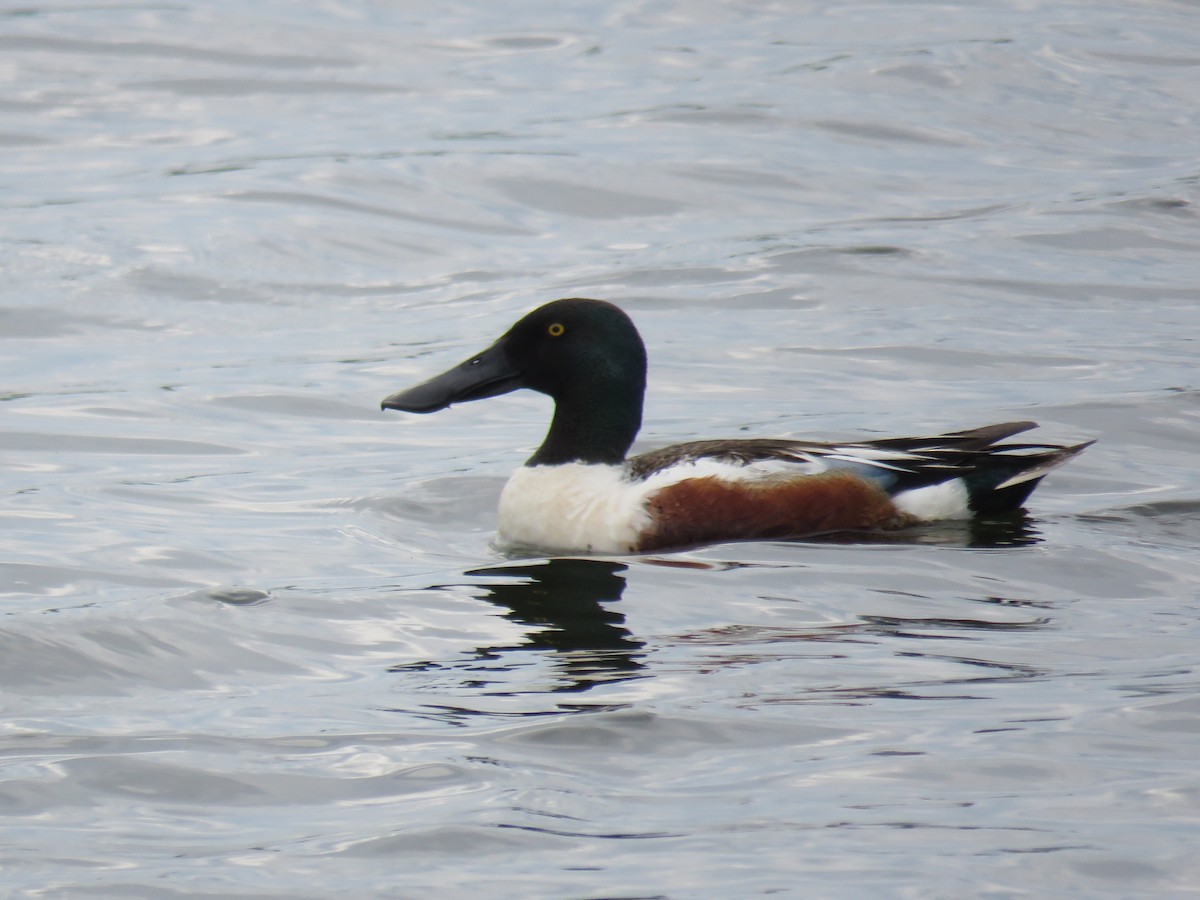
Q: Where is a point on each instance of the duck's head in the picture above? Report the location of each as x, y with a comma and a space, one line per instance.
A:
586, 354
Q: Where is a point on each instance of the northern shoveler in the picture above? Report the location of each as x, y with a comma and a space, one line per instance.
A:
579, 493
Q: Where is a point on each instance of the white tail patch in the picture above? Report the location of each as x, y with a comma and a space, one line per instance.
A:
947, 500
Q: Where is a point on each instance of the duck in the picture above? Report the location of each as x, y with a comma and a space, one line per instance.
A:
581, 493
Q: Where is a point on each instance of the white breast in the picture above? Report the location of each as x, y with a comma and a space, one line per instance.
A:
574, 507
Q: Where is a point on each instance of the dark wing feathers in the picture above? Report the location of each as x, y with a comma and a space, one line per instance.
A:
909, 462
974, 439
739, 451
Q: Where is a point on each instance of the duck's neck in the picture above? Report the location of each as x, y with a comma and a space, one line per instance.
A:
596, 430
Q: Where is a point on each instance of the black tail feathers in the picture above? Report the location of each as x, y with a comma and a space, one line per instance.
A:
1003, 482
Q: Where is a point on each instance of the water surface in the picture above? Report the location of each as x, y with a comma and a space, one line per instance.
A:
256, 640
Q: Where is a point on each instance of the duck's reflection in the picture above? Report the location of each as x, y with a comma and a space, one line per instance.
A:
566, 608
1012, 529
563, 606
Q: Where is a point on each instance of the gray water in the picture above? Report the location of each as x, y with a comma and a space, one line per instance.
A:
256, 640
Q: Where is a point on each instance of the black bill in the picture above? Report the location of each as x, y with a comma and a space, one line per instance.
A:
488, 374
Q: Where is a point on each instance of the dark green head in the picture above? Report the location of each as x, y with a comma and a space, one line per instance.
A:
586, 354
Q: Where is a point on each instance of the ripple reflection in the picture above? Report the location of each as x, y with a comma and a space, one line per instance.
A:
563, 608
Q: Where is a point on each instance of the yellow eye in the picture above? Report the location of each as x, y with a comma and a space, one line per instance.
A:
555, 329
